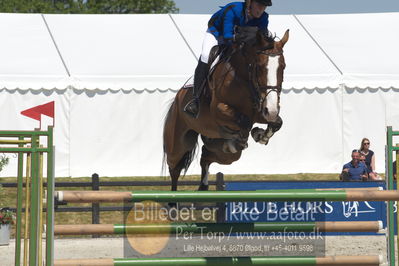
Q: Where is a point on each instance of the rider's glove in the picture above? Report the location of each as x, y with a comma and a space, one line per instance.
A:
245, 34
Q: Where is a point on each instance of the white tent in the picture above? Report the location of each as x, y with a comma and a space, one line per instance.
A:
112, 77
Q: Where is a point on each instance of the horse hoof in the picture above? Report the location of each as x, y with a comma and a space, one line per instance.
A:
257, 134
264, 141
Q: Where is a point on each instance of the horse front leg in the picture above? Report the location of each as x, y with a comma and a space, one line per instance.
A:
240, 120
263, 136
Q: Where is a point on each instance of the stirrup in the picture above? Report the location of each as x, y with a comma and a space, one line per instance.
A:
192, 108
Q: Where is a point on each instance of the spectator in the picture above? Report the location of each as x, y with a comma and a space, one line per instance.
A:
354, 170
370, 158
371, 175
394, 170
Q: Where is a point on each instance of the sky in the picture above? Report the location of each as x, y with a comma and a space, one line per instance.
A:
297, 6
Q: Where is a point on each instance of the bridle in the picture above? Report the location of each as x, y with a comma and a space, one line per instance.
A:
256, 89
253, 70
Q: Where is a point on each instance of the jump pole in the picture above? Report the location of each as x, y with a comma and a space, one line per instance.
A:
224, 261
225, 196
200, 228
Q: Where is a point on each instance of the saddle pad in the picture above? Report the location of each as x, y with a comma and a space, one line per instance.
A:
214, 57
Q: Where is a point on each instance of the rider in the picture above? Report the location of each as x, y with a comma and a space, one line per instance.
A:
221, 31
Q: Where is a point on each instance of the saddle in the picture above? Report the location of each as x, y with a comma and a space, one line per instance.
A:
220, 53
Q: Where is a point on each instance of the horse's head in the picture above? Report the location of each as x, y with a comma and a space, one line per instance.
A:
265, 60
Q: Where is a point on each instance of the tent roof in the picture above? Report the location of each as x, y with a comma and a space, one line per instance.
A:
363, 46
28, 56
160, 51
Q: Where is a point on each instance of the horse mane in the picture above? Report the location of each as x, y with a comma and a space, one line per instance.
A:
270, 38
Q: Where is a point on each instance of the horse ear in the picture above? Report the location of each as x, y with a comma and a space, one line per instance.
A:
284, 40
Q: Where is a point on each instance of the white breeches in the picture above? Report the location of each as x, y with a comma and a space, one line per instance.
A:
208, 43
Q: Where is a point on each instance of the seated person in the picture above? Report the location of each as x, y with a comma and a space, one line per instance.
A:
372, 175
354, 170
369, 154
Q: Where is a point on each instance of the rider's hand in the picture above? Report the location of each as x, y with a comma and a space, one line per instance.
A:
245, 34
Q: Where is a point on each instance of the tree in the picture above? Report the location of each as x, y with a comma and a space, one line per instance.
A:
26, 6
132, 7
88, 6
3, 161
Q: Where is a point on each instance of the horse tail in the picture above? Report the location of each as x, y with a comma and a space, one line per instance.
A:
187, 159
164, 156
189, 156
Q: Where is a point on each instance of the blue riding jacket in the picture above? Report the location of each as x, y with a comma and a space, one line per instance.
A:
222, 22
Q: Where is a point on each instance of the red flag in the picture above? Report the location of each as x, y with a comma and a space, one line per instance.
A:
32, 113
47, 109
36, 112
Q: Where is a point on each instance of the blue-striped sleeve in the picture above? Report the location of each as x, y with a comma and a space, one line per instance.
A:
228, 23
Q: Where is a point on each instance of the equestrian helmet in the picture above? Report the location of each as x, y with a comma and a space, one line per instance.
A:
264, 2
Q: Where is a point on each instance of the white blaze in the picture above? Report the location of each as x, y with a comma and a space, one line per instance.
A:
272, 97
272, 66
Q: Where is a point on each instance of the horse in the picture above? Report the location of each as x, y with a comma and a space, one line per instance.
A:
243, 88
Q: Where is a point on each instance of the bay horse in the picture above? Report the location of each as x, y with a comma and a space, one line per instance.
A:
243, 89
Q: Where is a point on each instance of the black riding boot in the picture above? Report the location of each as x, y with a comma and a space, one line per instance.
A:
201, 72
